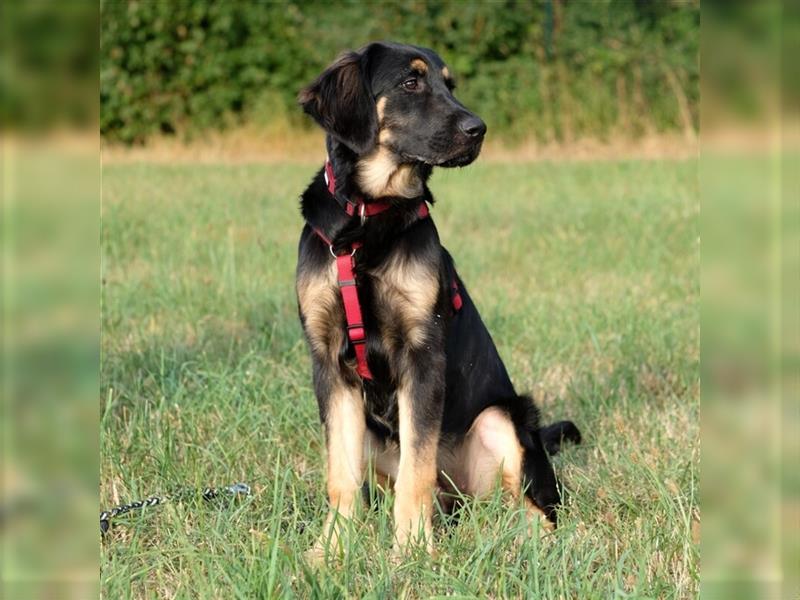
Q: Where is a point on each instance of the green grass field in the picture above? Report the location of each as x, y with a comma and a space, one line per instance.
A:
587, 275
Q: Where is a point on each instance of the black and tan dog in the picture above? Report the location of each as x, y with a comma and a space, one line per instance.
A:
412, 384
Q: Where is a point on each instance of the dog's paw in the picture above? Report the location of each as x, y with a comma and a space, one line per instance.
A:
327, 548
407, 544
329, 542
537, 520
315, 556
416, 551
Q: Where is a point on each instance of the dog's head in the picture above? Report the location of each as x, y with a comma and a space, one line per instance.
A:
397, 101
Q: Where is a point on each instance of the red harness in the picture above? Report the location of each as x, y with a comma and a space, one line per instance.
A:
346, 263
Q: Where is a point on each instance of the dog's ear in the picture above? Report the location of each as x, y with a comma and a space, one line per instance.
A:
341, 101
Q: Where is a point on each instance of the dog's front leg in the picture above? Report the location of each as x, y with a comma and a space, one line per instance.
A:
344, 420
420, 398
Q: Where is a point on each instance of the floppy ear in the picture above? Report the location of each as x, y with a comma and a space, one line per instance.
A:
340, 100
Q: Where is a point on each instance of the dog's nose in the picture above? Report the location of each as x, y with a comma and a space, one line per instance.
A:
472, 126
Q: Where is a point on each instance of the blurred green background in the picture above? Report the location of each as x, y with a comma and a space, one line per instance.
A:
549, 70
51, 198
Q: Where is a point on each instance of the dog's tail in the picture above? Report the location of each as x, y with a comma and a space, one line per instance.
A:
525, 416
554, 435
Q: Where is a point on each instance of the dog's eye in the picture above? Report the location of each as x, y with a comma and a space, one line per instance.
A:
411, 84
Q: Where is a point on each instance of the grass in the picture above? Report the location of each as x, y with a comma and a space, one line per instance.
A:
587, 274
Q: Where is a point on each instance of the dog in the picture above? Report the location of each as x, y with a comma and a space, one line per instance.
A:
407, 378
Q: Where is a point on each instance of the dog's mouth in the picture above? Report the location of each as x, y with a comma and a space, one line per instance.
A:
463, 159
460, 159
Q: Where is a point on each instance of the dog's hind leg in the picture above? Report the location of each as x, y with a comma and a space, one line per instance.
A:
493, 446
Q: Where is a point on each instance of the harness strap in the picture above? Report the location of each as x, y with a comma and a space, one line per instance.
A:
348, 287
345, 264
455, 297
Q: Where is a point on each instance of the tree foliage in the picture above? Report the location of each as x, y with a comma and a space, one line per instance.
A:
549, 69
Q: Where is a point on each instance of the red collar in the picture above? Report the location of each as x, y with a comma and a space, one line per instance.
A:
357, 206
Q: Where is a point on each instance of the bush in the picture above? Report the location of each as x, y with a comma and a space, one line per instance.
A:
553, 69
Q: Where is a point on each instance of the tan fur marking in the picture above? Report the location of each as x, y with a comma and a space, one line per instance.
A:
381, 108
385, 136
416, 477
445, 72
420, 65
345, 430
409, 290
345, 439
384, 133
317, 294
490, 448
380, 174
535, 512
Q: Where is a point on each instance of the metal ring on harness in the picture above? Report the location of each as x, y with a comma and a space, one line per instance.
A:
334, 255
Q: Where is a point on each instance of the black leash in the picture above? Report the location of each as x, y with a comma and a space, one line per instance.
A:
235, 490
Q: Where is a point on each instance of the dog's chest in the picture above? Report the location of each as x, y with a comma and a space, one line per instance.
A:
397, 301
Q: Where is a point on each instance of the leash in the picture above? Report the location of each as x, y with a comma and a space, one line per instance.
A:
346, 265
208, 494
